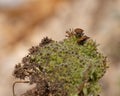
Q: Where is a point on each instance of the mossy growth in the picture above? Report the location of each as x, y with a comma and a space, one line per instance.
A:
71, 67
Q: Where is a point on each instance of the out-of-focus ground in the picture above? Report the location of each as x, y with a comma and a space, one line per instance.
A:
23, 23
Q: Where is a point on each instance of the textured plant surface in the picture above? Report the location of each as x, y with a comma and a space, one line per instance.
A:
71, 67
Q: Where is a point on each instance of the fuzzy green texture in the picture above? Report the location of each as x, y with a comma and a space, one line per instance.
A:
72, 67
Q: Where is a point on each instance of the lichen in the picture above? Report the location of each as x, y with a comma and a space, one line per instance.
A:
71, 67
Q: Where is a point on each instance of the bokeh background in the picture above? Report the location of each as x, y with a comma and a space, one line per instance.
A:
23, 23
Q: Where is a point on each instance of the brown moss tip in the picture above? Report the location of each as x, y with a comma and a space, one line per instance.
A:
45, 41
79, 32
76, 32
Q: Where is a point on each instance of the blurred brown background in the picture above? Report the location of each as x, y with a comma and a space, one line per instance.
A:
23, 23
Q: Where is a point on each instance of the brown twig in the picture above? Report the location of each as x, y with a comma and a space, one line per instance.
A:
13, 87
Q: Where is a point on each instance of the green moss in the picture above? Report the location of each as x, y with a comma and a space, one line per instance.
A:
71, 67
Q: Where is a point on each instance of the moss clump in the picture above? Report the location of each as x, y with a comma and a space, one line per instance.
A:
71, 67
